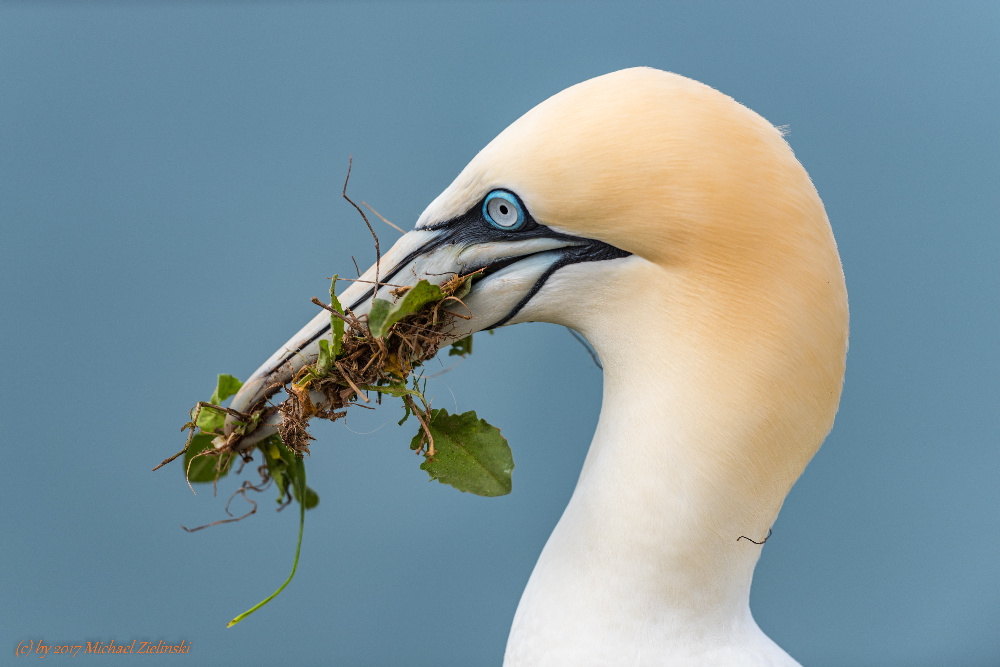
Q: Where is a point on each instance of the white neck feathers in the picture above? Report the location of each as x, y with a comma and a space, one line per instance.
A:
698, 443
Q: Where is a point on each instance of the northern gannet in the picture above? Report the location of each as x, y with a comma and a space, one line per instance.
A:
675, 230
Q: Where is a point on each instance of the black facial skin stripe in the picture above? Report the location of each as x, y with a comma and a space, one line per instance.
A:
595, 251
471, 229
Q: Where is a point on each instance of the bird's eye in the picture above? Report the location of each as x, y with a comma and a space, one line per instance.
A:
503, 210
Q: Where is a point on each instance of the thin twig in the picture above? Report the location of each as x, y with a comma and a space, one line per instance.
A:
461, 317
378, 253
447, 369
744, 537
455, 298
241, 491
355, 267
427, 429
370, 362
246, 486
235, 413
332, 311
368, 206
168, 460
372, 282
351, 382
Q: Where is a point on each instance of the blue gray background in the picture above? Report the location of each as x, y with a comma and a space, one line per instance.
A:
170, 180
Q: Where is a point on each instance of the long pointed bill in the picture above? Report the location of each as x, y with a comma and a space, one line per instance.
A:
513, 271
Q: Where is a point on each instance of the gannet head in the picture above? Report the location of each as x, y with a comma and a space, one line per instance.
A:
659, 218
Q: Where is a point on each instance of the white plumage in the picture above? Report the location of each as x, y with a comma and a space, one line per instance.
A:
723, 336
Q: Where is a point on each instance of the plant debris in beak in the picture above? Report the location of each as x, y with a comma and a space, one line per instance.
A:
381, 353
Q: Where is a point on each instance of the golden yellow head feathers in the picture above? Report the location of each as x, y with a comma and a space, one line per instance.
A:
702, 187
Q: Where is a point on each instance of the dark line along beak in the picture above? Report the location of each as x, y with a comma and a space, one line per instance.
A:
515, 269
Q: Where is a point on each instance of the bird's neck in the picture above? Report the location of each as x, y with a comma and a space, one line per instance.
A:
649, 558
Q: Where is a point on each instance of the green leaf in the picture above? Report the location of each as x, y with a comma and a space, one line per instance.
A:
276, 459
461, 347
297, 471
287, 470
312, 498
325, 361
203, 468
470, 454
384, 314
226, 386
211, 419
406, 415
336, 324
299, 488
397, 390
328, 352
464, 288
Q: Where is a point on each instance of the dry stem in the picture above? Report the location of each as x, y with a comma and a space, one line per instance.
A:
378, 253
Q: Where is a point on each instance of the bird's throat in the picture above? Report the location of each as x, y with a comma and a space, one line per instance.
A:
648, 560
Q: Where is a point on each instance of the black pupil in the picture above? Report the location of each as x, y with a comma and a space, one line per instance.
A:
503, 209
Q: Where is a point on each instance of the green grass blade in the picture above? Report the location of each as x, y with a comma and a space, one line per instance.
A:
302, 521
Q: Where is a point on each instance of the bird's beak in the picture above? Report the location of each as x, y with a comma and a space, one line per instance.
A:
511, 272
